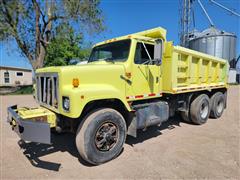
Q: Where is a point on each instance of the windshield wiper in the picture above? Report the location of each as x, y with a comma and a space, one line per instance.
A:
109, 59
103, 59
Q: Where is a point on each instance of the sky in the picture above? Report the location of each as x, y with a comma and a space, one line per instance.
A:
124, 17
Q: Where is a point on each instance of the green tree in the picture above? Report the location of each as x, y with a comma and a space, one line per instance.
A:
32, 23
64, 47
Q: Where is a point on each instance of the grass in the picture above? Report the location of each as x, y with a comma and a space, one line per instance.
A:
23, 90
234, 84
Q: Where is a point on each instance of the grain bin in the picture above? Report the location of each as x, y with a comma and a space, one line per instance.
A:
214, 42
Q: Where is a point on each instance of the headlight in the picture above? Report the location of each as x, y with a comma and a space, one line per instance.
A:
66, 103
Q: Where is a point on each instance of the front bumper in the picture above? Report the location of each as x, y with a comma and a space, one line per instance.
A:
29, 130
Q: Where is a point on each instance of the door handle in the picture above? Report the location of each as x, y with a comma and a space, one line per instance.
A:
126, 79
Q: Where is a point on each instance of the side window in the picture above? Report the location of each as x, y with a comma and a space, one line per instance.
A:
141, 55
6, 77
19, 73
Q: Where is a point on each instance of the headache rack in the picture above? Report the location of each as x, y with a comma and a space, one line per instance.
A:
47, 89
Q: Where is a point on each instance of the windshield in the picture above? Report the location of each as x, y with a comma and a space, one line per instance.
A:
115, 51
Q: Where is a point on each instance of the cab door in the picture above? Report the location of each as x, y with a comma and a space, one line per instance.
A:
146, 75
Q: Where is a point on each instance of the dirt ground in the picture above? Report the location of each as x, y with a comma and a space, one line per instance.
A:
175, 150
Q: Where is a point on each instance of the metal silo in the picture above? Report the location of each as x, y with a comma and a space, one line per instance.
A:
214, 42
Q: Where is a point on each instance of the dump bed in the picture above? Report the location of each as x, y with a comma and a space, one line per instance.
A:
185, 70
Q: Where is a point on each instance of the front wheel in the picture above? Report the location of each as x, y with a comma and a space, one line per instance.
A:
100, 137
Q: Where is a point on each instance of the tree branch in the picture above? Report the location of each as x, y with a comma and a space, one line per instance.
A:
22, 45
52, 18
42, 14
38, 33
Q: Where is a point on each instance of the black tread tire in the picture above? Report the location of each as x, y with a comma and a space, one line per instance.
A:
85, 135
215, 99
195, 109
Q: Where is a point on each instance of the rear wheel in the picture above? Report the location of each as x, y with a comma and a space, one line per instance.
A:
100, 137
185, 116
217, 105
200, 109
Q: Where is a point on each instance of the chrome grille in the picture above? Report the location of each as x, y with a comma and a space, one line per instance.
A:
47, 89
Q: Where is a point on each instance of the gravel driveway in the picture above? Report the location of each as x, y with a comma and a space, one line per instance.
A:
173, 150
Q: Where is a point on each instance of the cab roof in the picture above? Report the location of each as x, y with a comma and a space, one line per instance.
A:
149, 35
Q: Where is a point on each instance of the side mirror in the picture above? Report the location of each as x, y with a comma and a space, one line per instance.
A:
158, 51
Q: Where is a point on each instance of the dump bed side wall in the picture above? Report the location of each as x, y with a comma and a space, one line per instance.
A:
185, 70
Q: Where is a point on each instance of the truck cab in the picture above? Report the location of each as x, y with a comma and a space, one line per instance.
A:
120, 68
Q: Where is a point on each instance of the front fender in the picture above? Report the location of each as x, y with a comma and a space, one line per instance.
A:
84, 94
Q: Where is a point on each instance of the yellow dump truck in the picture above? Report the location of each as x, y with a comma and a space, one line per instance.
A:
129, 83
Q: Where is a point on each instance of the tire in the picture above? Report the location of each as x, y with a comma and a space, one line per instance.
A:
200, 109
185, 116
101, 135
217, 105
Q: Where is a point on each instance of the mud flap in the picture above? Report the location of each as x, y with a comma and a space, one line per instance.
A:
132, 129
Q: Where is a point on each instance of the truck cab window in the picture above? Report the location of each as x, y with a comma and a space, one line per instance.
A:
114, 51
141, 56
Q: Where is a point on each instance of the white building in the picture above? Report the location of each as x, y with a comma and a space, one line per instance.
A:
13, 76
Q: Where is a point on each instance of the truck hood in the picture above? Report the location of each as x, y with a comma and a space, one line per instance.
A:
93, 73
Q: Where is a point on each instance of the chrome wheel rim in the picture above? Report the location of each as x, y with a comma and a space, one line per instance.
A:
204, 110
219, 106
